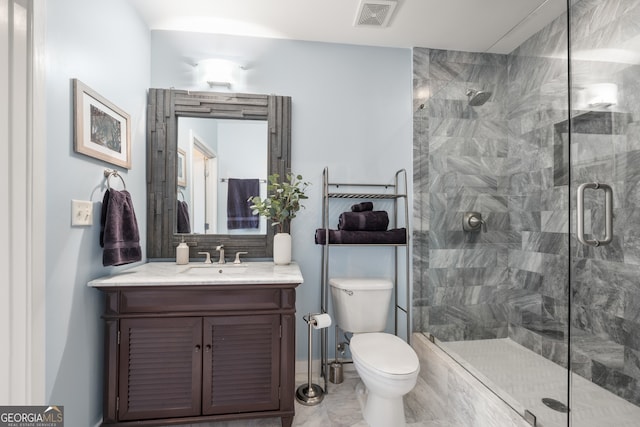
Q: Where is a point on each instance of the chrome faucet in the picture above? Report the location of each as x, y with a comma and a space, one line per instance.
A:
237, 260
207, 255
221, 250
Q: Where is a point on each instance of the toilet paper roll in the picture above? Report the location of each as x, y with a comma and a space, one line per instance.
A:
321, 321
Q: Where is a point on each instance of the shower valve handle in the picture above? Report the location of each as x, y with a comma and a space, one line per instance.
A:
472, 221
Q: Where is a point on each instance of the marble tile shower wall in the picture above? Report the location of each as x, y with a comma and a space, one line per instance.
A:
461, 164
506, 160
537, 103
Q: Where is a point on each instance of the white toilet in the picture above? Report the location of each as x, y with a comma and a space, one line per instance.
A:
387, 365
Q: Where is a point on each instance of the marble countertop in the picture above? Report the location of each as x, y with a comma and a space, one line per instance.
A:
171, 274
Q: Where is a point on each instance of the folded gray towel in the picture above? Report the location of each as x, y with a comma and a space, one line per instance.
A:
364, 206
396, 236
363, 221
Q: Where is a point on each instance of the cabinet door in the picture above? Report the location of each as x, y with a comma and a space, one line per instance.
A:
160, 368
241, 364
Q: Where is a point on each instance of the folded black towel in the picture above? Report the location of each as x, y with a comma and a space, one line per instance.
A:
396, 236
360, 207
239, 213
119, 234
184, 224
363, 221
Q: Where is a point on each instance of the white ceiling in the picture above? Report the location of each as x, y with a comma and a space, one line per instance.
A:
496, 26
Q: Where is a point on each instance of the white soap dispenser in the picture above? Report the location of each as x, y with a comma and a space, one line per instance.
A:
182, 253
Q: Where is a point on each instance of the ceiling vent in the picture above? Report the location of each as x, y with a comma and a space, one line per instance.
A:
374, 13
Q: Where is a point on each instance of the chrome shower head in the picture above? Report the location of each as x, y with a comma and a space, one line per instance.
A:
477, 97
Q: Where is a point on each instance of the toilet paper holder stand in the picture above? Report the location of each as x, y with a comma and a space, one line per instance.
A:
310, 394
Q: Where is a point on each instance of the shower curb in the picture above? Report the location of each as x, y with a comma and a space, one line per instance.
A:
475, 403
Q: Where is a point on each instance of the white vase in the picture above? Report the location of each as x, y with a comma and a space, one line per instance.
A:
282, 248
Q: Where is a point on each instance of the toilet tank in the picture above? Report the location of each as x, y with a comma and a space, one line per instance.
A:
361, 304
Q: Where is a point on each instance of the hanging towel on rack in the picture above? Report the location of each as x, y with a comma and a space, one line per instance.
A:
239, 213
184, 223
119, 234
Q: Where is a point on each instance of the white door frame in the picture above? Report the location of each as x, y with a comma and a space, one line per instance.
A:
210, 182
22, 216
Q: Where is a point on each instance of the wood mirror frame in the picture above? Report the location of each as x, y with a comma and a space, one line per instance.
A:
163, 109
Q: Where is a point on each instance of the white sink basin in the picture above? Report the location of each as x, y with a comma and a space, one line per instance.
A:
214, 270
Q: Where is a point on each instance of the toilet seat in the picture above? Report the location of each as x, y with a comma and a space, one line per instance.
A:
385, 354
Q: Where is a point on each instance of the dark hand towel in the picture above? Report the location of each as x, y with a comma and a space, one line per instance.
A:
238, 211
119, 235
184, 224
360, 207
396, 236
363, 221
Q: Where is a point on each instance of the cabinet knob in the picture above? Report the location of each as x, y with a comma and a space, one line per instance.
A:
207, 348
197, 348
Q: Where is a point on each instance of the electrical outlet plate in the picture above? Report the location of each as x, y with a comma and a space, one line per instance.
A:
81, 212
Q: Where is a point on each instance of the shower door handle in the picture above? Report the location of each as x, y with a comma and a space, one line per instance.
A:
608, 214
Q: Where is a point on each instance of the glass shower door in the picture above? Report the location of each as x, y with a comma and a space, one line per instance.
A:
604, 153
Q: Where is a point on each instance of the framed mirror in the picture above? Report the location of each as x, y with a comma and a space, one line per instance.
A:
167, 163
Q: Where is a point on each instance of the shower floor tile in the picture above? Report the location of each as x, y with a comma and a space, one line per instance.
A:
524, 378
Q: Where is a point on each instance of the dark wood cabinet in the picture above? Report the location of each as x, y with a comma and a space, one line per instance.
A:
160, 368
241, 364
189, 354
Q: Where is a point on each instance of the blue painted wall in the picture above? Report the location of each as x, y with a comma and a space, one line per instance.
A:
106, 46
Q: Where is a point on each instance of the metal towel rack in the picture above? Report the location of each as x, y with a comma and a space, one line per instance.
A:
108, 173
262, 181
608, 214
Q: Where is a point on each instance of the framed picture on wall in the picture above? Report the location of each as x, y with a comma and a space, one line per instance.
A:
101, 129
182, 168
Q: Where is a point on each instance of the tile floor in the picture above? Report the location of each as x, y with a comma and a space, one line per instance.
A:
524, 375
341, 408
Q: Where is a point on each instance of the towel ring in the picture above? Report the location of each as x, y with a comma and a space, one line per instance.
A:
108, 173
181, 194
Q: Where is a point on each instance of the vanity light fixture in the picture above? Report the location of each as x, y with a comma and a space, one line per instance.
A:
217, 72
602, 95
223, 84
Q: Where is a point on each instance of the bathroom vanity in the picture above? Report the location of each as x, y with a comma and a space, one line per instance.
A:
199, 342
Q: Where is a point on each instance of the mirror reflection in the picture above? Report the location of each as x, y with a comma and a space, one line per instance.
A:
221, 163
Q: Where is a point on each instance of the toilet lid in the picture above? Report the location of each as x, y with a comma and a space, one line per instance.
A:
360, 283
384, 353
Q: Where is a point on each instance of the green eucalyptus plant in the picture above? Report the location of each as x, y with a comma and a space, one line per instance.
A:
283, 200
